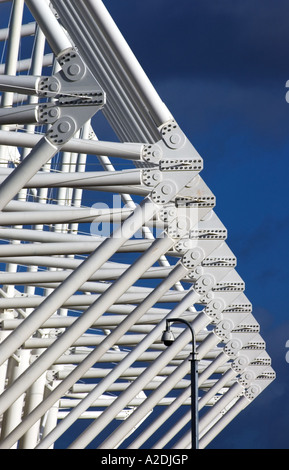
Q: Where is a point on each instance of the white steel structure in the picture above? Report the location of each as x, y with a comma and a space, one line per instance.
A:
101, 242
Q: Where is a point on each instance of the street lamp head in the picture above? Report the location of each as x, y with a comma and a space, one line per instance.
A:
168, 337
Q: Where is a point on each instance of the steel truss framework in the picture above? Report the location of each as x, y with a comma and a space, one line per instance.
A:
101, 242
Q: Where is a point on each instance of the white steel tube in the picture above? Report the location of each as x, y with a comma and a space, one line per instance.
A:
59, 276
81, 324
108, 342
25, 64
223, 421
124, 109
234, 391
154, 398
13, 46
144, 212
130, 151
34, 396
12, 54
202, 402
92, 178
26, 30
13, 416
147, 375
55, 35
156, 424
40, 155
108, 320
66, 215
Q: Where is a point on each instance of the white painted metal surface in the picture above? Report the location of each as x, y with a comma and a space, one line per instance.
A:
101, 242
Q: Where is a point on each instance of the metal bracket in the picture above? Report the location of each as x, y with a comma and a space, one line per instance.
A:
175, 158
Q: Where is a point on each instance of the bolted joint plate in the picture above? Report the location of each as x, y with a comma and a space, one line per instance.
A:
253, 391
214, 309
240, 363
205, 284
232, 347
62, 130
246, 377
255, 359
48, 86
176, 159
172, 135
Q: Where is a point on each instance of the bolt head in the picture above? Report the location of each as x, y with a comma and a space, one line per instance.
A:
175, 139
195, 255
64, 127
73, 70
156, 176
53, 87
181, 224
206, 281
217, 305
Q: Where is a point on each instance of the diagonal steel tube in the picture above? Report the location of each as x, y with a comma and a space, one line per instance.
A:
40, 155
132, 356
130, 151
157, 423
224, 421
164, 388
82, 323
186, 418
212, 414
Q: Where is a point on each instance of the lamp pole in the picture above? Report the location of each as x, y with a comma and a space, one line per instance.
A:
168, 340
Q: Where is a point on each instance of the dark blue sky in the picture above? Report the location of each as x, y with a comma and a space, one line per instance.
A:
221, 67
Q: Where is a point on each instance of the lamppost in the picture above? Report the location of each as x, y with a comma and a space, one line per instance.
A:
168, 339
